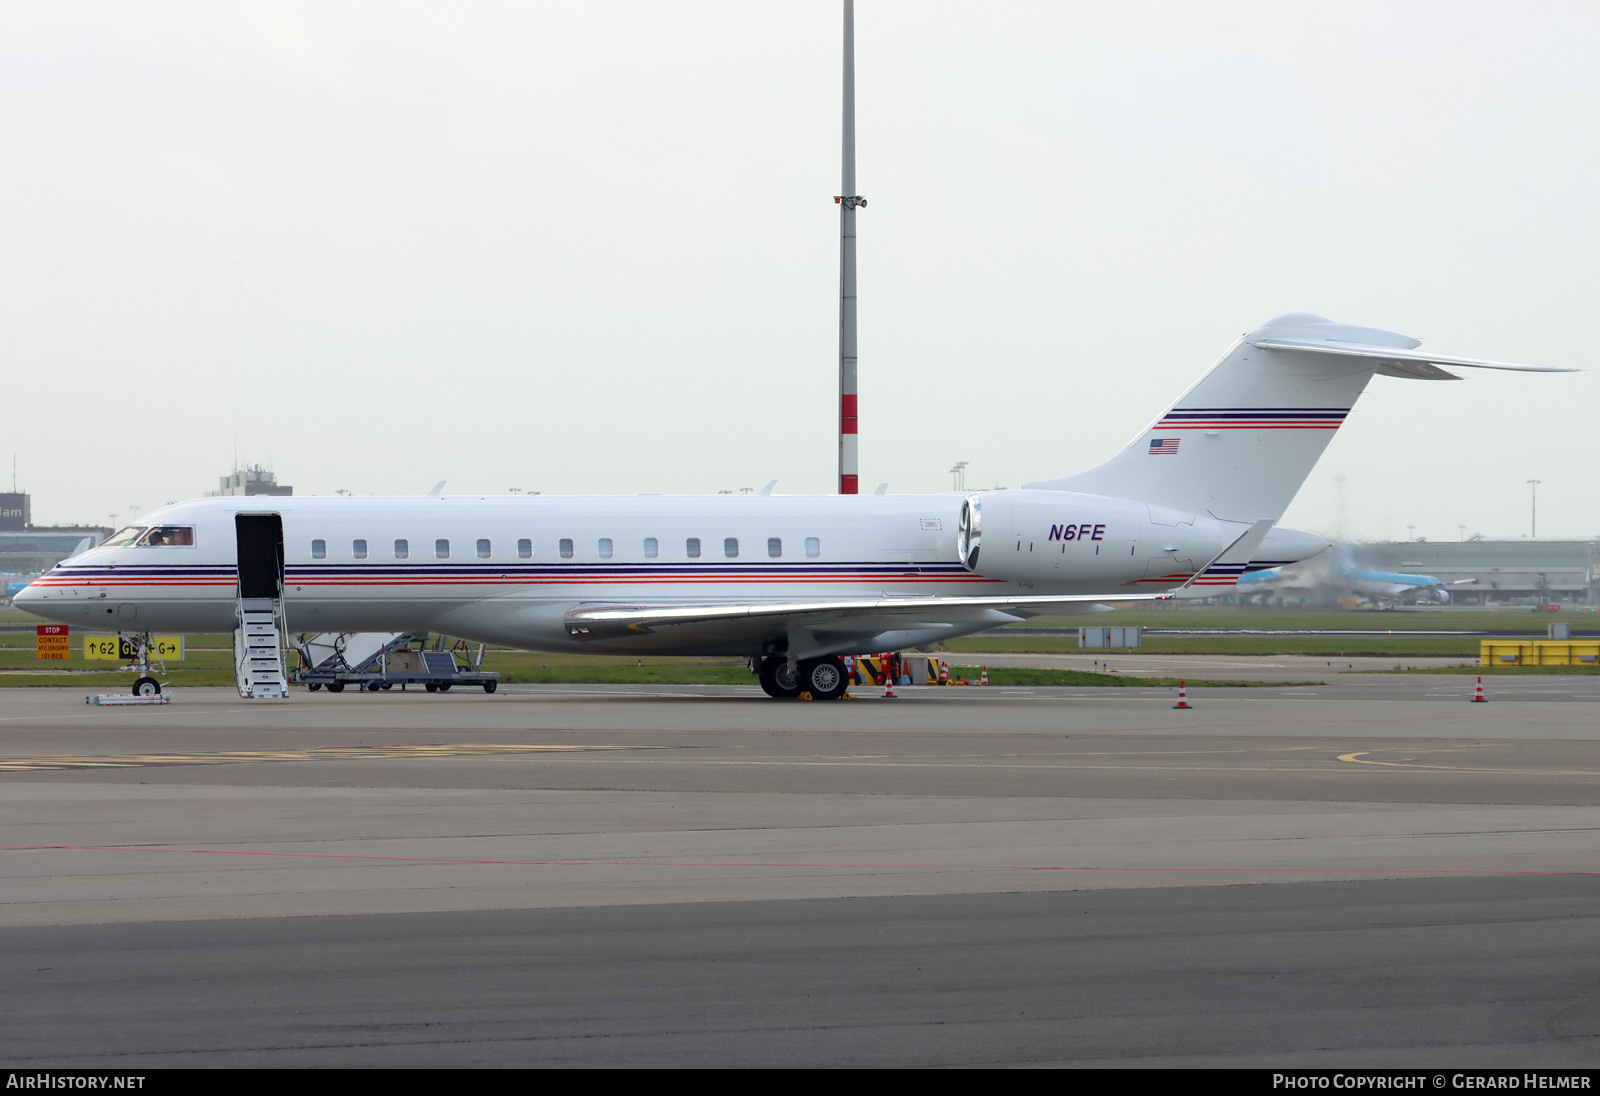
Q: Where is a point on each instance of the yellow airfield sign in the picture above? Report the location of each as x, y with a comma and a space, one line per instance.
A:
118, 649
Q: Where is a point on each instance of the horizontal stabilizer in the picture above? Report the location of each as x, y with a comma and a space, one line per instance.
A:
1419, 365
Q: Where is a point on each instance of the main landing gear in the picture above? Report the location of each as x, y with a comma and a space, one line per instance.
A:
823, 678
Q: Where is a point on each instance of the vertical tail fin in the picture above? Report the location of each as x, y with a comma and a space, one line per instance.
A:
1241, 441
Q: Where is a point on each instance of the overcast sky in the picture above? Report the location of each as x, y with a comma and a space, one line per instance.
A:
591, 247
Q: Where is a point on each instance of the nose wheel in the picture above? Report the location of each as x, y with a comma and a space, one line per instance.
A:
144, 684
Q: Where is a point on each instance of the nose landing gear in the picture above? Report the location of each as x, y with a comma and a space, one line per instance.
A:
144, 684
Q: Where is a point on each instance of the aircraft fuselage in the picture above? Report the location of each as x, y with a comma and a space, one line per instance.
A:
509, 569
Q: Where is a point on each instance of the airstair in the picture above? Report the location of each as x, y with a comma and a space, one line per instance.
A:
257, 652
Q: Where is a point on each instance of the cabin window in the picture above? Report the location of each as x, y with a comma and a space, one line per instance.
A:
525, 548
692, 547
441, 548
401, 549
730, 547
319, 549
566, 547
168, 536
124, 536
483, 549
358, 548
813, 547
774, 547
650, 548
605, 547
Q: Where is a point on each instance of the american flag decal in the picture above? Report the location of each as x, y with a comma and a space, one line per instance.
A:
1160, 447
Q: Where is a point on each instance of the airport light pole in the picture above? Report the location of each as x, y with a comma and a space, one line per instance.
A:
849, 452
1534, 522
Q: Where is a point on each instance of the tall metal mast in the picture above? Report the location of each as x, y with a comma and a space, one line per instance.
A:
849, 462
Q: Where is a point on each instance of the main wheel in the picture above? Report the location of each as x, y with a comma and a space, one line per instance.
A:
336, 686
431, 686
147, 686
824, 678
489, 686
778, 680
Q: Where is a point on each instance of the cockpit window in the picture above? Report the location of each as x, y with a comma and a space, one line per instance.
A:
123, 537
168, 536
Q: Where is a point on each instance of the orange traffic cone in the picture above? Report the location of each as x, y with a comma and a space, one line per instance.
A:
944, 672
984, 679
888, 688
1183, 699
1477, 697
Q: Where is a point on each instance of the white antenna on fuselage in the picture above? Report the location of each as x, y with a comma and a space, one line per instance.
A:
849, 455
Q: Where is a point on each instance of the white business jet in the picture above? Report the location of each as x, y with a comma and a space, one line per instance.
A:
791, 582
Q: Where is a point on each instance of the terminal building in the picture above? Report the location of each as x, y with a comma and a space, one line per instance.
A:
1512, 571
254, 480
27, 549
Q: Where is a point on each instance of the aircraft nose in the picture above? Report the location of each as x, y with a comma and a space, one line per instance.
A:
26, 598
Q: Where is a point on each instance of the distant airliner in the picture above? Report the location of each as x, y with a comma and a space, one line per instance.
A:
1348, 580
789, 582
14, 584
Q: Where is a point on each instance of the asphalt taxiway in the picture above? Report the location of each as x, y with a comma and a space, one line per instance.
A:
1374, 871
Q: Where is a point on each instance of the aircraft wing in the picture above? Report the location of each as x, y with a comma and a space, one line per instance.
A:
811, 629
864, 614
827, 623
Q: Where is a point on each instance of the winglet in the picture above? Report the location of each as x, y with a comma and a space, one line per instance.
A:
1229, 563
438, 489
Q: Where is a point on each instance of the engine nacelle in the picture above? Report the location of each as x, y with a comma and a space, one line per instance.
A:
1065, 539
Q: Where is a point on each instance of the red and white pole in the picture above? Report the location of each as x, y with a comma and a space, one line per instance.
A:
849, 454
